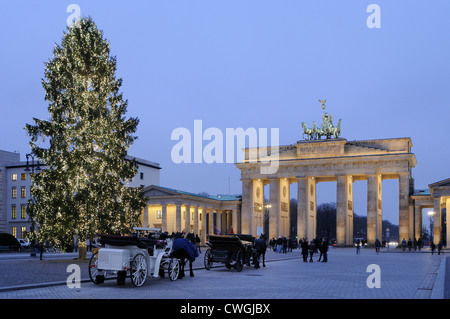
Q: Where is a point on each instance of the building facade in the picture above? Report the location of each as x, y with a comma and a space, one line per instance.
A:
179, 211
15, 185
437, 198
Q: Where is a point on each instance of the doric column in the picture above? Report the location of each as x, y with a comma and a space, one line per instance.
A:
374, 208
178, 218
447, 209
235, 221
311, 203
279, 201
258, 203
187, 219
436, 220
211, 221
247, 207
196, 220
418, 222
202, 220
164, 217
344, 210
403, 202
306, 208
302, 207
285, 199
219, 221
275, 208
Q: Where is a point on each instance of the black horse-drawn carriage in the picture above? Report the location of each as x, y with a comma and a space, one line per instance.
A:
232, 250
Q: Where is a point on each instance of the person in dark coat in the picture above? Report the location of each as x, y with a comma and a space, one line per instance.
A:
285, 245
324, 251
377, 245
304, 247
41, 250
197, 243
312, 249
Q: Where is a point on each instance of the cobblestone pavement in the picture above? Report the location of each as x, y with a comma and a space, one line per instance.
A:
403, 275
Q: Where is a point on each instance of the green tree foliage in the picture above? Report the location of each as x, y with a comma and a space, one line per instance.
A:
83, 144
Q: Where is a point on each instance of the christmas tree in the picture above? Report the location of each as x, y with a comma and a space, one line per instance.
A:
83, 190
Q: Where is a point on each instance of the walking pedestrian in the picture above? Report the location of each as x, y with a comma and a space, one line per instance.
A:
358, 246
409, 244
440, 245
41, 250
419, 244
285, 244
404, 244
377, 245
324, 250
304, 247
433, 247
197, 243
312, 249
279, 244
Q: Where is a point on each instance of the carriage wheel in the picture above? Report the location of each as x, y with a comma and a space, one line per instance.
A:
138, 270
208, 259
94, 273
174, 269
239, 261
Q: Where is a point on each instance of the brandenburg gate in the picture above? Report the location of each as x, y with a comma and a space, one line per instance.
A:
314, 160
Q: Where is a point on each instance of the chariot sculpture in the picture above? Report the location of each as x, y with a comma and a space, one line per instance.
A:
327, 129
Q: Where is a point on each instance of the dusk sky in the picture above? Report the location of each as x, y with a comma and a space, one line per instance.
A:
253, 63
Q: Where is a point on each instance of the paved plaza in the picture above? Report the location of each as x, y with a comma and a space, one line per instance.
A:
402, 275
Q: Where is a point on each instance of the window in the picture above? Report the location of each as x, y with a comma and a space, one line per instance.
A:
23, 176
23, 229
142, 175
14, 192
23, 211
13, 212
14, 177
14, 231
23, 192
158, 214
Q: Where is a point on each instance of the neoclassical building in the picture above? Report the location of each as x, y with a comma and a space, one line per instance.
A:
179, 211
437, 197
309, 162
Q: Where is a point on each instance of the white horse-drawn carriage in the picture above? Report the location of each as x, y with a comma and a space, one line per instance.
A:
148, 253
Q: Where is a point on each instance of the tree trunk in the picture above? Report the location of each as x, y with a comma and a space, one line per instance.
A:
82, 250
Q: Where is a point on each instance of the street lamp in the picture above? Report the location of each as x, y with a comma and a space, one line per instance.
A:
33, 169
27, 168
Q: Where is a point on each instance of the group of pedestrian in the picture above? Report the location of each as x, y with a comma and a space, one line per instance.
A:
417, 244
312, 247
439, 247
282, 244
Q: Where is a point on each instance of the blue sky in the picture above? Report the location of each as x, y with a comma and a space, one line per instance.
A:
261, 64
